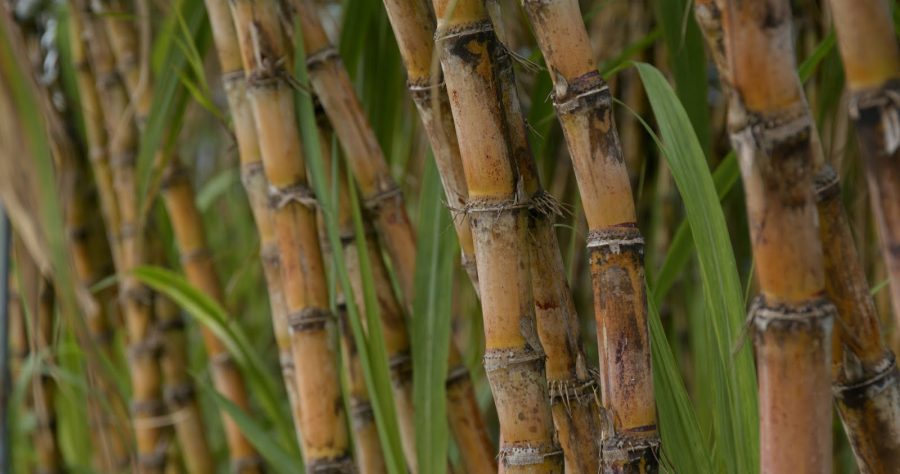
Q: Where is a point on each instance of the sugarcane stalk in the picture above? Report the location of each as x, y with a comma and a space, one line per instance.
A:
497, 209
196, 259
187, 225
92, 254
792, 319
865, 382
128, 252
324, 440
390, 311
871, 60
380, 193
573, 391
630, 439
413, 24
255, 186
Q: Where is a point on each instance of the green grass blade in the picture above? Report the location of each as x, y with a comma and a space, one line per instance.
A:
735, 422
431, 326
683, 448
274, 454
687, 58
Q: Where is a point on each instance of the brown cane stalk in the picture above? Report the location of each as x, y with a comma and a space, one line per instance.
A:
864, 372
792, 318
390, 311
123, 221
630, 440
380, 193
255, 185
871, 59
497, 209
264, 54
383, 200
187, 225
413, 24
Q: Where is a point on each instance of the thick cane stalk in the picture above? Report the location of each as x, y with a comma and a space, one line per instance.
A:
630, 439
255, 184
773, 135
324, 440
573, 391
865, 381
872, 68
514, 358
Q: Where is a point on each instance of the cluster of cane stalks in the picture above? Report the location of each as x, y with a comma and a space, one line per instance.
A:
817, 335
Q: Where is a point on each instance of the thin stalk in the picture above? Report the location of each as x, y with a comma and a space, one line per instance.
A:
390, 311
380, 193
630, 439
196, 259
325, 440
179, 391
9, 301
255, 185
497, 209
871, 60
774, 138
91, 253
144, 347
366, 442
865, 379
367, 445
39, 322
187, 225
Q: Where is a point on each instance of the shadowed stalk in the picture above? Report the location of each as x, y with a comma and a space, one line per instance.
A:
264, 53
869, 50
497, 209
630, 439
774, 139
389, 310
382, 198
255, 185
196, 259
865, 379
367, 446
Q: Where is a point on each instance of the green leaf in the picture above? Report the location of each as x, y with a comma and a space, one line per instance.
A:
735, 422
687, 58
275, 455
683, 447
431, 326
